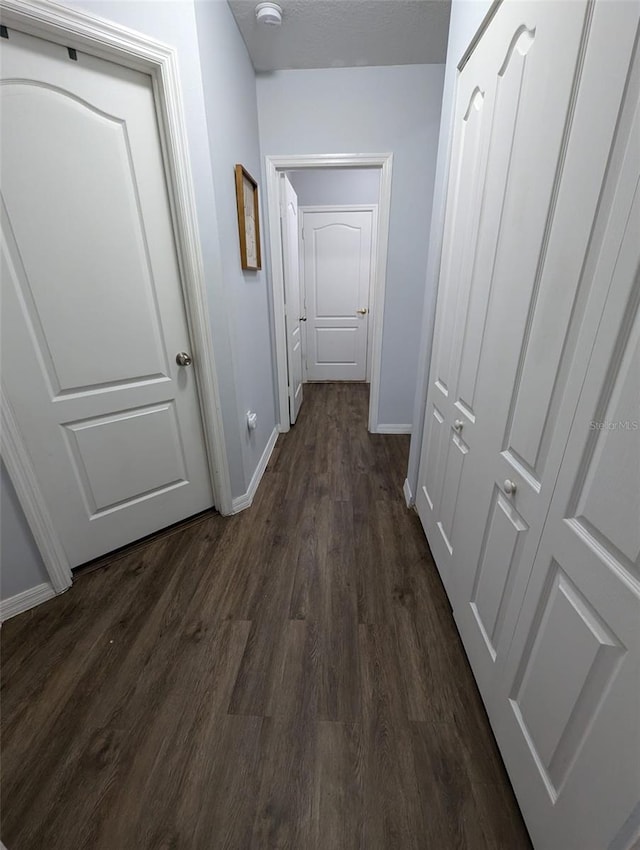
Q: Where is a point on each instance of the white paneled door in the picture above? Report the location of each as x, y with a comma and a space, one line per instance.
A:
521, 398
569, 700
337, 255
529, 483
503, 185
293, 304
93, 320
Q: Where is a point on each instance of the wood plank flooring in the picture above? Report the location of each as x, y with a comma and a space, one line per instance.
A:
289, 677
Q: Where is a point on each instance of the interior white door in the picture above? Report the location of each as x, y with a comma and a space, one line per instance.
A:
532, 509
515, 383
513, 100
293, 311
92, 309
337, 249
569, 706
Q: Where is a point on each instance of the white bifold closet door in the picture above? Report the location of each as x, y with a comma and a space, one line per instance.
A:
92, 309
568, 699
542, 119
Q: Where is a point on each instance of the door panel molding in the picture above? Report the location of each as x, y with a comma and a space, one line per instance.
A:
120, 45
274, 166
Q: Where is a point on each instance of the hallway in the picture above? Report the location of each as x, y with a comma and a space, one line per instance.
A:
289, 677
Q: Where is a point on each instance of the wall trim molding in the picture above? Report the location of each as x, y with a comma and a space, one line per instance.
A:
392, 428
241, 503
26, 600
276, 165
408, 495
123, 46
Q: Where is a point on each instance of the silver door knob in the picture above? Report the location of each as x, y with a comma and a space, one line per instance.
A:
458, 425
183, 359
362, 311
510, 487
302, 319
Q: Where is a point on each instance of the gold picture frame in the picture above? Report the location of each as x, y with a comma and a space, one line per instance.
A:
248, 219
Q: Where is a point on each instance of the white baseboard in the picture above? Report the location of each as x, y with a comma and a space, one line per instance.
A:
408, 495
393, 429
241, 503
24, 601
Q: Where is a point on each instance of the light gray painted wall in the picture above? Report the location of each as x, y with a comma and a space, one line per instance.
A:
232, 118
372, 110
222, 128
466, 17
21, 566
337, 186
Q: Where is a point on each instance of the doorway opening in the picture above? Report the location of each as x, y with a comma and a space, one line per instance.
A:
350, 206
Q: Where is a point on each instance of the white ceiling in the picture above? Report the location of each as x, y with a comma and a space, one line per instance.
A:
346, 33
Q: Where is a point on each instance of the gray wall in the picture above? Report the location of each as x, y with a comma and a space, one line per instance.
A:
466, 17
339, 186
232, 119
21, 566
372, 110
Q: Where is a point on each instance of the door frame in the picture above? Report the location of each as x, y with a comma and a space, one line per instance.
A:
274, 166
120, 45
322, 208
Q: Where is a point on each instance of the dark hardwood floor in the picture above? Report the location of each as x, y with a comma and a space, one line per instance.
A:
289, 677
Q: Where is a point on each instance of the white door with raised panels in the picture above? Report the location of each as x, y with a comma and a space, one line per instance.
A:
568, 707
519, 79
93, 321
521, 398
337, 245
293, 305
529, 484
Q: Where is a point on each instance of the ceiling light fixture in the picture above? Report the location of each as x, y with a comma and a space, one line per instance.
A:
269, 13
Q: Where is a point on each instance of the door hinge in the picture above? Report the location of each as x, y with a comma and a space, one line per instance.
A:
4, 32
73, 54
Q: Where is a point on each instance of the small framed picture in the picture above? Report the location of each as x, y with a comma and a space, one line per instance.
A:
248, 219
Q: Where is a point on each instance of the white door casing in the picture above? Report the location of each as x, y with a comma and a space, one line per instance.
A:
92, 308
293, 307
274, 166
337, 249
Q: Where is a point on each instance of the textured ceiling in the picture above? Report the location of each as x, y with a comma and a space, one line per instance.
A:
345, 33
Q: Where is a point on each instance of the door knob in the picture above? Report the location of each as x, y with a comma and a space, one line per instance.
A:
362, 311
458, 425
302, 319
183, 359
510, 487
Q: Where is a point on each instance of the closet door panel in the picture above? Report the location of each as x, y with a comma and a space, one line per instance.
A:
568, 721
541, 287
519, 82
459, 245
509, 83
443, 452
